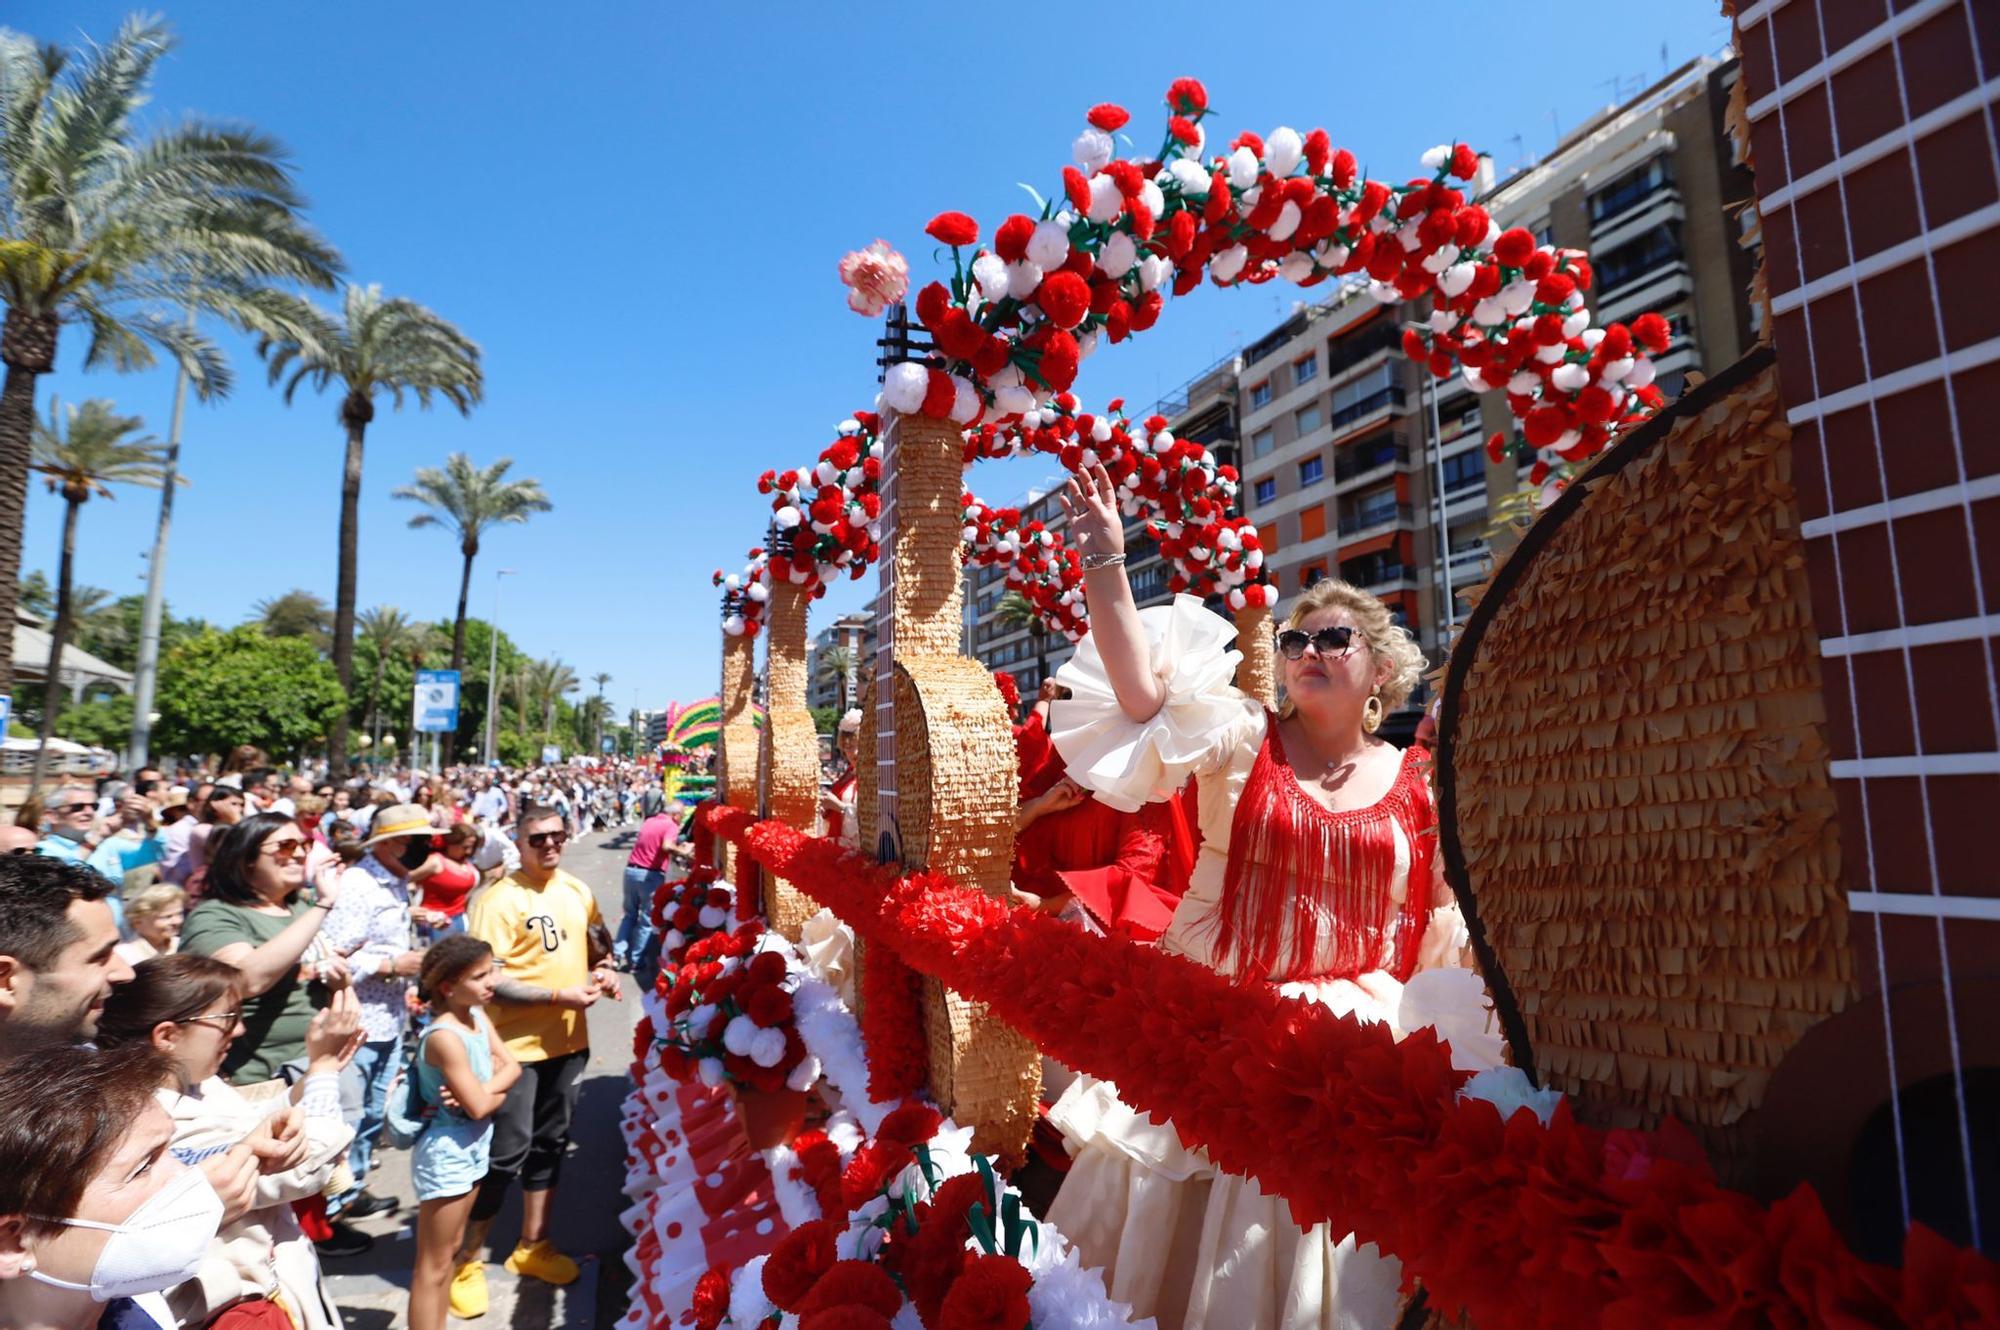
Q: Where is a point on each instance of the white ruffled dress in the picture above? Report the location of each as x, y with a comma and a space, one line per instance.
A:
1177, 1238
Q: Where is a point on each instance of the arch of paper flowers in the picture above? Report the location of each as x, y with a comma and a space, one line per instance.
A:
1020, 314
826, 517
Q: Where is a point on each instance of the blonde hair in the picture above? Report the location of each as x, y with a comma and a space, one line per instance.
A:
309, 807
154, 898
1387, 640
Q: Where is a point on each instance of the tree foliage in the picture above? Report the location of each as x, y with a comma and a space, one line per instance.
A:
223, 689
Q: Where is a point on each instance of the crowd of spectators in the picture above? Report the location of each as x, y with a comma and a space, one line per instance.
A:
217, 990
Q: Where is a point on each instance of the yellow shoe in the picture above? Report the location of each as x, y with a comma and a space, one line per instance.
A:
468, 1290
542, 1261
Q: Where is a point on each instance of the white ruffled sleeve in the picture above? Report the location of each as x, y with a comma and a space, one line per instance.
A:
1205, 719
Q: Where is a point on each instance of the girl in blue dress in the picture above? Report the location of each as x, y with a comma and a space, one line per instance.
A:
463, 1072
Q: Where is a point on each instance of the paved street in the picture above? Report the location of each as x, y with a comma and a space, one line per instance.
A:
372, 1290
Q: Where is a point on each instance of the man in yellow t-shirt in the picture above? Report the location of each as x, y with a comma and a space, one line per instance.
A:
539, 922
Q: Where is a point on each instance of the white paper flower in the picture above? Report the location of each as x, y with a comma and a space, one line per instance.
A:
1243, 168
1048, 247
1118, 255
710, 1071
803, 1075
1105, 200
766, 1047
990, 271
1194, 181
712, 916
1093, 149
1225, 266
1022, 278
1570, 377
904, 386
1287, 223
736, 1035
1283, 151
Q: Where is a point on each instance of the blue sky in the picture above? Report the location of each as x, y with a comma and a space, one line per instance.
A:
637, 209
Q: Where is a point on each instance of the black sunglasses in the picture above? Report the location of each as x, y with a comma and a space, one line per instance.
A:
541, 839
1327, 641
71, 808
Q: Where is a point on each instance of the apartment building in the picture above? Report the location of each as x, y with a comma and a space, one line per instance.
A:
1203, 410
1346, 447
1358, 464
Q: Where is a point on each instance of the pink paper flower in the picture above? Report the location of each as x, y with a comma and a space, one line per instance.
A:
876, 277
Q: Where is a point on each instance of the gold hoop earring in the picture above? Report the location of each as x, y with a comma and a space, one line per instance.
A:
1372, 712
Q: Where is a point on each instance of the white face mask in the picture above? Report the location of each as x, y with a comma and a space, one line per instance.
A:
159, 1246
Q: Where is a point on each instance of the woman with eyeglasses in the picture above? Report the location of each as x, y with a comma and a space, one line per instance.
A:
259, 917
261, 1269
1317, 873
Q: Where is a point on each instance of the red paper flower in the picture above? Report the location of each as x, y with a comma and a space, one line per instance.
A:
991, 1293
953, 228
1183, 130
797, 1262
1107, 117
909, 1126
1065, 298
711, 1298
1186, 96
844, 1318
854, 1283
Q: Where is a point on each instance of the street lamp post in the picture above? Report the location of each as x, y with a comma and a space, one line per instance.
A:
493, 662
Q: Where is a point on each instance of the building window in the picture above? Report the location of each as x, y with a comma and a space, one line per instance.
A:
1311, 471
1375, 508
1654, 248
1366, 393
1311, 573
1463, 471
1351, 459
1267, 537
1371, 570
1267, 490
1312, 522
1369, 340
1631, 189
1305, 369
1261, 443
1260, 394
1306, 419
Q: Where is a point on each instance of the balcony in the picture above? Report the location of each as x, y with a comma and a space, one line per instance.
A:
1375, 401
1370, 520
1352, 463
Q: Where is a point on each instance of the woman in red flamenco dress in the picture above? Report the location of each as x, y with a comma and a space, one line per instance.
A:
1125, 870
1316, 873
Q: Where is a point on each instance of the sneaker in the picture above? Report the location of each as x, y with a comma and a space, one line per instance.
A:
368, 1203
346, 1240
468, 1290
542, 1261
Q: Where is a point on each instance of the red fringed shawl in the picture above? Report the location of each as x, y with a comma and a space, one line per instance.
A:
1328, 875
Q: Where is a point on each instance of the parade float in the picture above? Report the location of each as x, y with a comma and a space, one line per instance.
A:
1643, 816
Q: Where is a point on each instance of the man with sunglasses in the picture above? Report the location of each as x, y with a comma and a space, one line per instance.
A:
540, 922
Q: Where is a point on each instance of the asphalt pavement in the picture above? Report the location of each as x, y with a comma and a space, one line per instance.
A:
373, 1290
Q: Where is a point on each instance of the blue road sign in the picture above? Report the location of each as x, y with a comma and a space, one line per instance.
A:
434, 709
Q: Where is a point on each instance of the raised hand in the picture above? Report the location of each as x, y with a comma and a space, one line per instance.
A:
1090, 501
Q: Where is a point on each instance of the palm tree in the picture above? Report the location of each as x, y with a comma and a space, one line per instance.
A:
390, 632
603, 710
119, 233
297, 613
834, 663
84, 451
1017, 611
468, 500
553, 680
377, 345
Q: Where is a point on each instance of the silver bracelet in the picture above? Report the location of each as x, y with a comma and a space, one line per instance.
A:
1092, 562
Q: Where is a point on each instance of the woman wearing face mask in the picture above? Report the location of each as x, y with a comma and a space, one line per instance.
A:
1317, 874
188, 1009
259, 918
97, 1218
